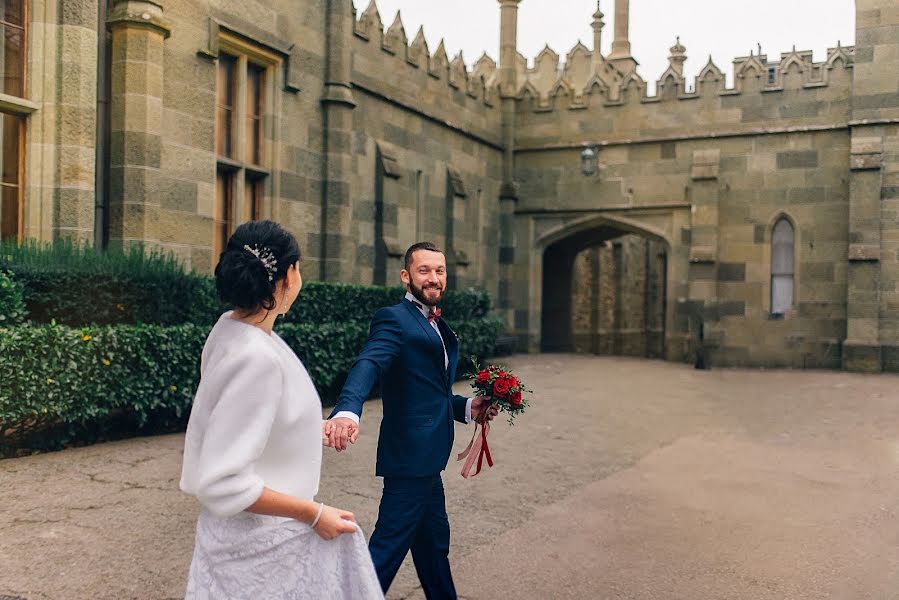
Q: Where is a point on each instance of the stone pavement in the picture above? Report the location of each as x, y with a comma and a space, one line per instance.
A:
626, 479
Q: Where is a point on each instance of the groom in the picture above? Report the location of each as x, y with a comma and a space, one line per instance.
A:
414, 354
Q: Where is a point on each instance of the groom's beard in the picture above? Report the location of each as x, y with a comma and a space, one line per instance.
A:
419, 294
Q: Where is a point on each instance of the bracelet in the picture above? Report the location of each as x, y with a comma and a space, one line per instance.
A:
321, 507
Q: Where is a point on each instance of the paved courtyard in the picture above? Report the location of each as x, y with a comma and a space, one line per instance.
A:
627, 479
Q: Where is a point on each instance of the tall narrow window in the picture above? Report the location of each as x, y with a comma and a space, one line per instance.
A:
253, 197
11, 132
13, 24
782, 267
12, 126
246, 77
420, 215
224, 201
224, 105
255, 108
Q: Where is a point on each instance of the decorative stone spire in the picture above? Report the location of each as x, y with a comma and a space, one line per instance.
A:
620, 56
621, 45
678, 57
598, 24
508, 45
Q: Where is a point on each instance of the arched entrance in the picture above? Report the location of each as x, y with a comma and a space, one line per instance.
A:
604, 288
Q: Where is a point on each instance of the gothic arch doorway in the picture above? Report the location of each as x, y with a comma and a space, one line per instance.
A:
604, 289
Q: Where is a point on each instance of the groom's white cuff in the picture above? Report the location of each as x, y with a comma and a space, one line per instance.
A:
346, 414
351, 415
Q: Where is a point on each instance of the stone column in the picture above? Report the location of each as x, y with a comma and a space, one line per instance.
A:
621, 45
60, 145
872, 332
338, 250
138, 31
508, 195
701, 308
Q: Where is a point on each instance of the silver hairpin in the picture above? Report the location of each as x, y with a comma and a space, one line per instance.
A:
266, 256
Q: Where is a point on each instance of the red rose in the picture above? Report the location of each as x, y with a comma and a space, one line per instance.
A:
515, 399
501, 388
513, 381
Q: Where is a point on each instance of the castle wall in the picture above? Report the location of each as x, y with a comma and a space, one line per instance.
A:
618, 298
427, 158
186, 167
781, 152
372, 142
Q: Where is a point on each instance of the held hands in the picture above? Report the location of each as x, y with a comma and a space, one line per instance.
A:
483, 409
334, 522
339, 433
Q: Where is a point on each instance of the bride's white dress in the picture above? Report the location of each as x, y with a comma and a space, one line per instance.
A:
256, 422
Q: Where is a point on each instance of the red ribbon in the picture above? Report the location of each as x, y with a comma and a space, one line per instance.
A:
477, 446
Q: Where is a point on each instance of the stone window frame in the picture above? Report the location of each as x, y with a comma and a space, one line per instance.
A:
792, 274
18, 108
245, 177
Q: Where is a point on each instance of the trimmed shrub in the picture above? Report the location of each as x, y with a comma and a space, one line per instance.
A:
66, 386
343, 303
78, 285
12, 304
63, 386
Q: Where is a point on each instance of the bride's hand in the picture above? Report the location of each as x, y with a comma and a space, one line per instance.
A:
334, 522
340, 432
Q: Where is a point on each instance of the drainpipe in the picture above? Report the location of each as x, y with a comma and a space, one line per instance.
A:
101, 172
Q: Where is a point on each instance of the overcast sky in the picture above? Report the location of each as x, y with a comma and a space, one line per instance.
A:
723, 29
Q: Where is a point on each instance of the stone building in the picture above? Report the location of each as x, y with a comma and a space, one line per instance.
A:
758, 223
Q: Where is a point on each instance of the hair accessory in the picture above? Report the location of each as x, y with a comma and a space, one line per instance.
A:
266, 256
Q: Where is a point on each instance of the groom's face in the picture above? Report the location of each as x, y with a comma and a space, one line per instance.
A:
426, 277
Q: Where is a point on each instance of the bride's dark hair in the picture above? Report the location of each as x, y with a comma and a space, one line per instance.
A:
257, 256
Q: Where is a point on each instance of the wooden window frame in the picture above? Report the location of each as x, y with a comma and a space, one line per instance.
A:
241, 165
20, 107
24, 54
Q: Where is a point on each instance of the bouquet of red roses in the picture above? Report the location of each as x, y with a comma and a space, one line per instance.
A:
505, 390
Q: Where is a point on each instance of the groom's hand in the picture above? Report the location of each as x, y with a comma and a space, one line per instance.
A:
339, 433
480, 404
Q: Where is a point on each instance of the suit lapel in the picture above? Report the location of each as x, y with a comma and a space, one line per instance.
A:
452, 349
436, 344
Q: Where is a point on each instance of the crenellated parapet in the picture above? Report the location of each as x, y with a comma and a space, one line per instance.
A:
479, 84
586, 78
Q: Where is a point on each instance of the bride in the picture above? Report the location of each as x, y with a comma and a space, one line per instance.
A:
253, 449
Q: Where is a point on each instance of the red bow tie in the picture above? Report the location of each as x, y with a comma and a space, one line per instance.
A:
433, 312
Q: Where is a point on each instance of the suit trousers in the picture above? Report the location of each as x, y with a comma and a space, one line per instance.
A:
412, 516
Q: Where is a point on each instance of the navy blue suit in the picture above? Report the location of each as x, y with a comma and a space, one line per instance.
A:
405, 353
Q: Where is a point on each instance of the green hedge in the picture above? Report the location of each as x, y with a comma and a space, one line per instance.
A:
12, 303
77, 285
65, 386
345, 303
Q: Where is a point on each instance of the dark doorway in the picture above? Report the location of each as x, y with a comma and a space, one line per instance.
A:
604, 292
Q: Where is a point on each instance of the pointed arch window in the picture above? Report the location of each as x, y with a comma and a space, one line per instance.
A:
782, 267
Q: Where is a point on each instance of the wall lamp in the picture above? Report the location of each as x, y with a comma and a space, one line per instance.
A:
590, 161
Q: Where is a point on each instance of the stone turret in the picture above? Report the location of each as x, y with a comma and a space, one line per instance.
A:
678, 57
598, 24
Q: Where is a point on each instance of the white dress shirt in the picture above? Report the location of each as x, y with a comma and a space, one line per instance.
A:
424, 311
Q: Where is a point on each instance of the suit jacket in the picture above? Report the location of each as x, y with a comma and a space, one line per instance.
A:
406, 354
